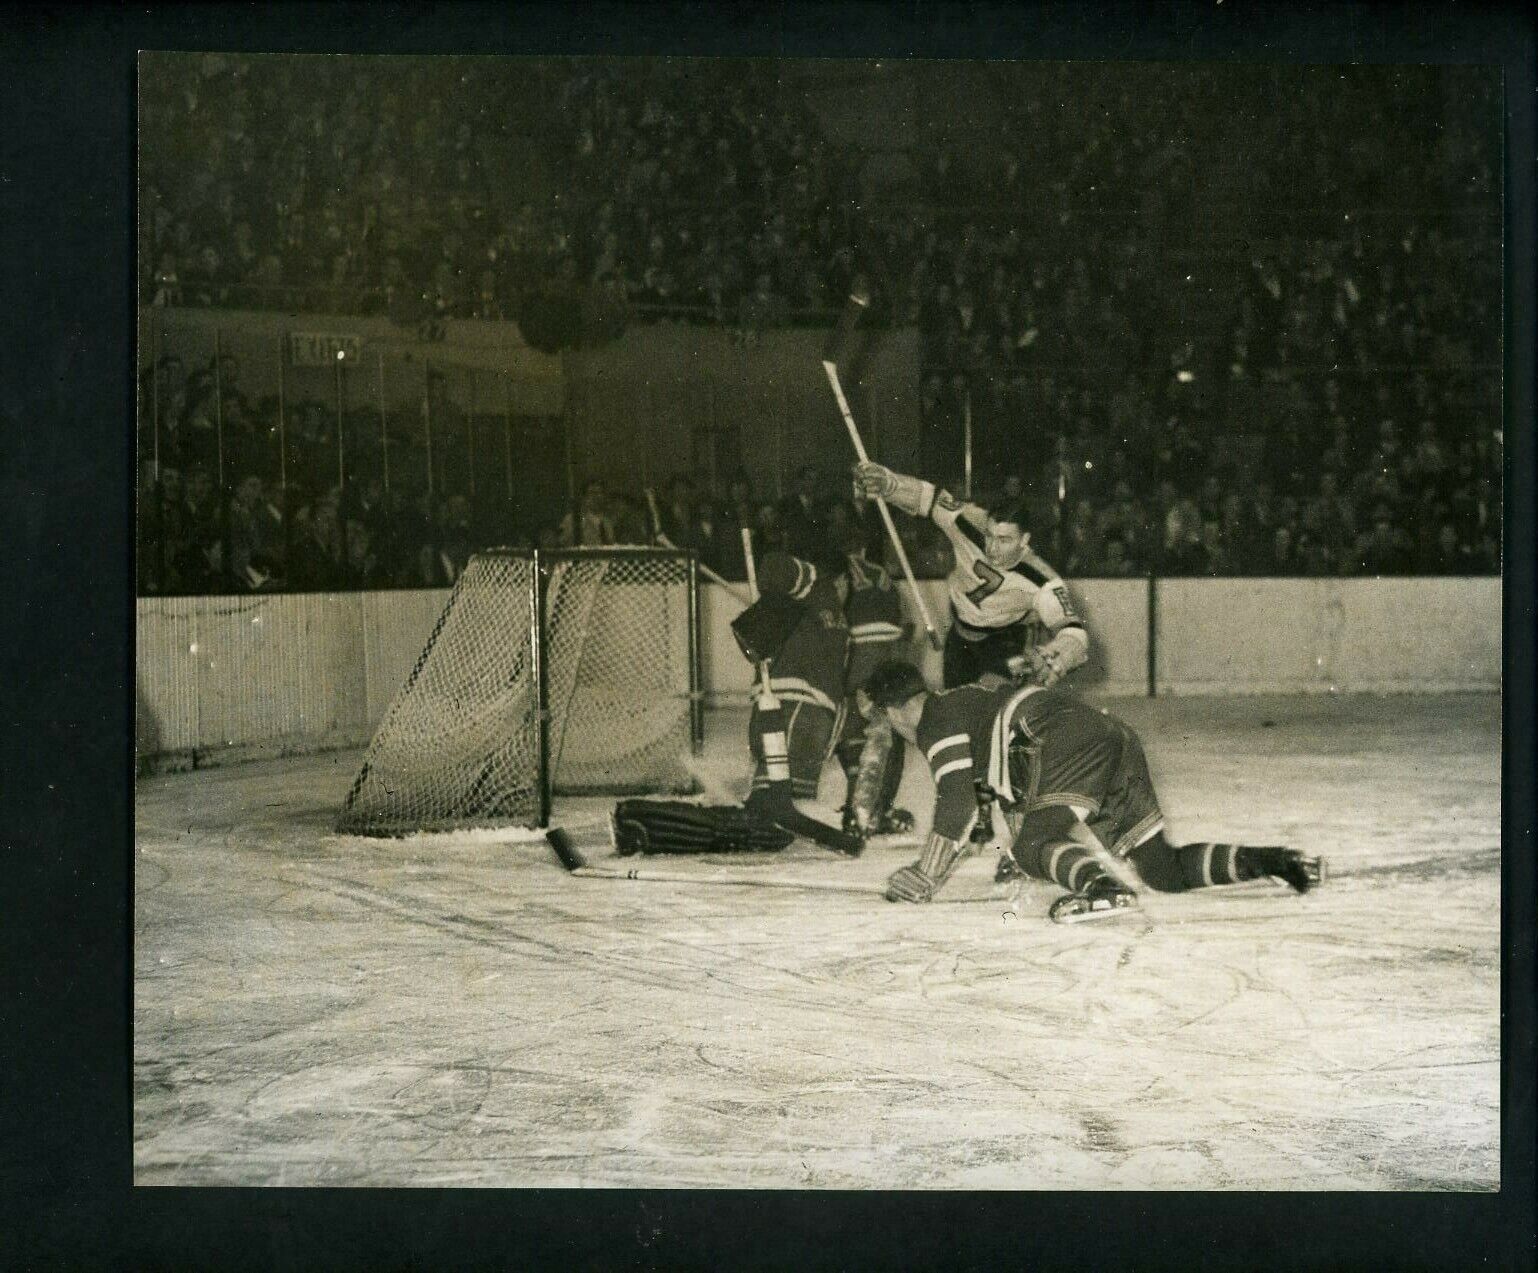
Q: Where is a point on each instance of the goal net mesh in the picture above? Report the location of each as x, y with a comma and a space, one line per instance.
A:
460, 745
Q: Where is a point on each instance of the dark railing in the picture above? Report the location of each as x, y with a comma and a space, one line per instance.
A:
335, 428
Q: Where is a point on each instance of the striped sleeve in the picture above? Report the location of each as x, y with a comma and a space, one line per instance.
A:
875, 632
780, 573
960, 522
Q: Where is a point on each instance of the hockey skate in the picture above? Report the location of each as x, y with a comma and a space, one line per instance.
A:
892, 822
1293, 868
1103, 898
1008, 870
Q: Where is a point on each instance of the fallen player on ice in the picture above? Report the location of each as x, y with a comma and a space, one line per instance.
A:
1074, 785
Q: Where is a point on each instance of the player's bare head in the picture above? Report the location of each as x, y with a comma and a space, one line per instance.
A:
1006, 536
894, 683
898, 690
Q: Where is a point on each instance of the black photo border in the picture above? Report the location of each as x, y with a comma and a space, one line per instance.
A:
67, 358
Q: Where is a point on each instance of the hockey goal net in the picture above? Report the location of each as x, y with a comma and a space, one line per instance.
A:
563, 672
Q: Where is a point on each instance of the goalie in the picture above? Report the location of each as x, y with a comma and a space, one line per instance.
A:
1012, 615
1073, 782
868, 752
797, 635
810, 633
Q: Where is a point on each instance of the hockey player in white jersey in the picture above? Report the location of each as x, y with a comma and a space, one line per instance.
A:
1011, 612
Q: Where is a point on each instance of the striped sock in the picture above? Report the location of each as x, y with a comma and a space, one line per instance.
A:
1070, 864
1205, 864
1172, 868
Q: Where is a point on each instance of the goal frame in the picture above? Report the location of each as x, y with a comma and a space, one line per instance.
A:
543, 560
541, 564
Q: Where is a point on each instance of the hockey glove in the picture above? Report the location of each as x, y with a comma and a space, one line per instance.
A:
911, 494
921, 881
909, 884
874, 481
1039, 666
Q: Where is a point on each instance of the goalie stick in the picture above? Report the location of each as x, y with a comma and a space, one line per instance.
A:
659, 537
570, 857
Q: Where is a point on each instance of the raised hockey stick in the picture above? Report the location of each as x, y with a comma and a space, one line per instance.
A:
747, 562
761, 669
776, 752
659, 537
886, 514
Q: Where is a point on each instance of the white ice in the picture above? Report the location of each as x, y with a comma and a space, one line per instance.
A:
457, 1010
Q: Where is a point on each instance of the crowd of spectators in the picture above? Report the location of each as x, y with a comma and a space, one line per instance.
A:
1196, 360
1392, 505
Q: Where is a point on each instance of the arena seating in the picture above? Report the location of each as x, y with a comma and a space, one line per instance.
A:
1190, 362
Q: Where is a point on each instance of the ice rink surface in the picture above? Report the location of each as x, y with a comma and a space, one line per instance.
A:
457, 1010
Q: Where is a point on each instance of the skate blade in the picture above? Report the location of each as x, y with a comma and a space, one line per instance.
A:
1089, 916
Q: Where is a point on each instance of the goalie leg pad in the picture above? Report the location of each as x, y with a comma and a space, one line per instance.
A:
673, 826
869, 779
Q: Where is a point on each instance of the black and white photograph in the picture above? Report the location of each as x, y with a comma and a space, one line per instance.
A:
784, 623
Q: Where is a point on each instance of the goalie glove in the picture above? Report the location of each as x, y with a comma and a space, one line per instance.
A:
876, 481
763, 628
922, 880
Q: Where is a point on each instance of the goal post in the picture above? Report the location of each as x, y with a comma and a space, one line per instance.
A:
570, 672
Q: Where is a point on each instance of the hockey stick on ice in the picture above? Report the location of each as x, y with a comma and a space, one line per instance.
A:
570, 857
659, 537
886, 514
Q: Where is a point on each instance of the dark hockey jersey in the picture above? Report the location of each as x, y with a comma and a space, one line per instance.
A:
809, 666
965, 734
875, 619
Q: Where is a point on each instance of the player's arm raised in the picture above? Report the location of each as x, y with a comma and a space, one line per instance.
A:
922, 499
911, 494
